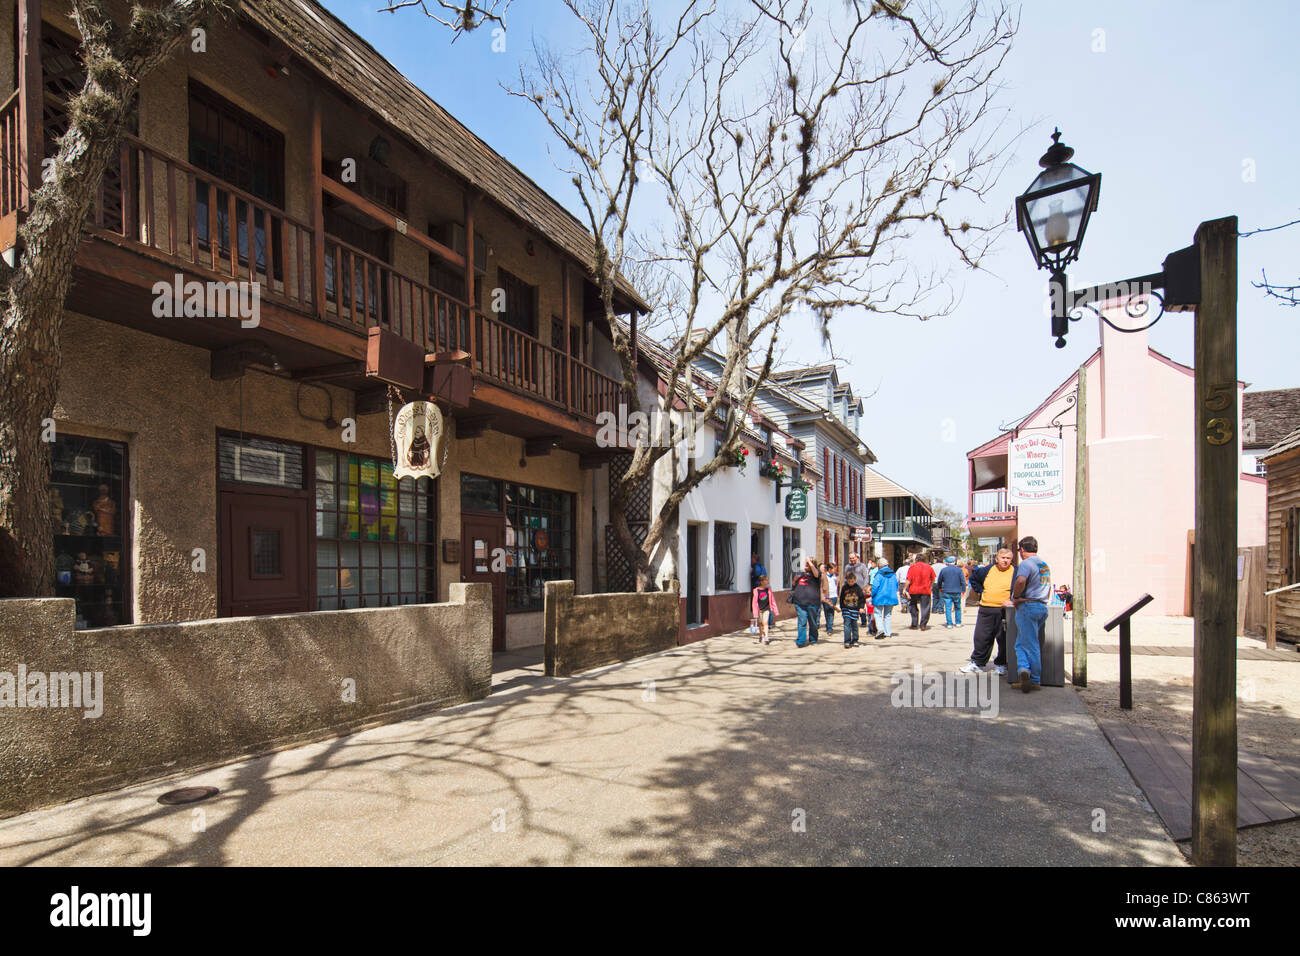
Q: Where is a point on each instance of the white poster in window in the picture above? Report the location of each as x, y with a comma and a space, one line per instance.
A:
1035, 470
416, 433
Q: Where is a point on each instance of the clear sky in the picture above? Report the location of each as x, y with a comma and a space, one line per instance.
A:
1188, 109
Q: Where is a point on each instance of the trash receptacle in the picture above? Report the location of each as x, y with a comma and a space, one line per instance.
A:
1051, 647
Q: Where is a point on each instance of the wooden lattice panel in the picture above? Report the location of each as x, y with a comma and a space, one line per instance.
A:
620, 572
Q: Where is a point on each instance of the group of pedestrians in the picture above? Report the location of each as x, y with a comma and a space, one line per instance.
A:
870, 592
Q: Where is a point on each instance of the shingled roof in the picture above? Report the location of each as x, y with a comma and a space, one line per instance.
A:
1289, 443
1275, 413
330, 47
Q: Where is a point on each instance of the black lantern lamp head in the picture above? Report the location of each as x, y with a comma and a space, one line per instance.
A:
1053, 214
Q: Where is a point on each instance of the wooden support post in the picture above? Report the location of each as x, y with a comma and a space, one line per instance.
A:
1126, 665
471, 297
1214, 688
565, 345
1079, 617
318, 216
31, 100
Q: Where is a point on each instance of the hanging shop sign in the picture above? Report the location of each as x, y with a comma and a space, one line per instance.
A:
1035, 470
862, 534
796, 505
416, 434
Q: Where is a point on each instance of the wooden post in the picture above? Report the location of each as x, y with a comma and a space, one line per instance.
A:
565, 346
318, 217
1126, 665
467, 204
1079, 618
31, 100
1214, 691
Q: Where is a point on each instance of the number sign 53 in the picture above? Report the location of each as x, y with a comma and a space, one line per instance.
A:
1221, 397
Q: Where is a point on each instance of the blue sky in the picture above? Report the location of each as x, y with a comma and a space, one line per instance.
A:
1188, 111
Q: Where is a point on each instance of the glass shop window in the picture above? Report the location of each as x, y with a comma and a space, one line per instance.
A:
539, 544
374, 534
88, 504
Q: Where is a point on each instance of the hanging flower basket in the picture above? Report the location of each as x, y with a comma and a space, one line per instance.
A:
738, 458
773, 469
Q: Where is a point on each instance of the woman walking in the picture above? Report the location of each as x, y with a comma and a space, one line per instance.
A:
807, 598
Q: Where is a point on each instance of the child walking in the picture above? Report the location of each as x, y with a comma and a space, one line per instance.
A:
851, 601
763, 605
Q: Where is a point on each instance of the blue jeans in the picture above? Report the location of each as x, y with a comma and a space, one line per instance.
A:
951, 601
850, 625
1030, 619
808, 618
882, 615
830, 617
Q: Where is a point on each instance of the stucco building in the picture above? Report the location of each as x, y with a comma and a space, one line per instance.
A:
226, 463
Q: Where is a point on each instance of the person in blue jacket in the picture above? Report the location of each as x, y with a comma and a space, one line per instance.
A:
884, 597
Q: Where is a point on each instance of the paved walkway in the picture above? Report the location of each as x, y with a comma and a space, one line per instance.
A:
719, 752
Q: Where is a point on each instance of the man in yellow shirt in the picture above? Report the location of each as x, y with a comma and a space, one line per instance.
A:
993, 583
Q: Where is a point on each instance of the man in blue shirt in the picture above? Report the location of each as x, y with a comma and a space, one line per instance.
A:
1031, 592
951, 585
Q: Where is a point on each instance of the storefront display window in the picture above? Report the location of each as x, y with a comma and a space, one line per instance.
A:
89, 506
374, 534
538, 543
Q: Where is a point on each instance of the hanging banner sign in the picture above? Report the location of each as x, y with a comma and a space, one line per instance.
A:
796, 505
416, 433
1035, 470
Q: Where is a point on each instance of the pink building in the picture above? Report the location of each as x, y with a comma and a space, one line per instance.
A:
1141, 506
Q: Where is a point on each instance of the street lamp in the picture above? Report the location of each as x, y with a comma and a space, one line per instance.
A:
1053, 214
1202, 278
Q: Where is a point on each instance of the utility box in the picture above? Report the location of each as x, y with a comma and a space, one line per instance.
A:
1051, 647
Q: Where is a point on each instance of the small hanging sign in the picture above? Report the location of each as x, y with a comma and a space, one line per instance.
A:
416, 434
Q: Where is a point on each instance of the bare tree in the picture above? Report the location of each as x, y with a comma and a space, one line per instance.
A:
116, 56
460, 18
766, 161
1289, 294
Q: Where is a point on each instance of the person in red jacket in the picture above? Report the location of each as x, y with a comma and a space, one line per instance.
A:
920, 581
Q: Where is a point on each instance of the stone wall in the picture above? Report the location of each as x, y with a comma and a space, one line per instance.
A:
589, 630
178, 697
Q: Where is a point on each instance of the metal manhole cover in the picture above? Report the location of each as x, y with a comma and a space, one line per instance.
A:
187, 795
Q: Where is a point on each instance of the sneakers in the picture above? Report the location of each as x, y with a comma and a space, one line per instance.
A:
1002, 671
970, 667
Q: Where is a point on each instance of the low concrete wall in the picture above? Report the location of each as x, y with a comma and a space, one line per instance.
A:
588, 630
181, 696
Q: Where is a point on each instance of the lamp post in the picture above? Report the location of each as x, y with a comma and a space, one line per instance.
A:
1053, 213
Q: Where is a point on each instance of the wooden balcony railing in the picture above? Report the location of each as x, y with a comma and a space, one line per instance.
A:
10, 156
177, 212
203, 224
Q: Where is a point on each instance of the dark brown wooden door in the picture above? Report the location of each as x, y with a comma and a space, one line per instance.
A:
264, 554
481, 541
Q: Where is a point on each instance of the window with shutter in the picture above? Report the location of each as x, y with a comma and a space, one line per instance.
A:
827, 475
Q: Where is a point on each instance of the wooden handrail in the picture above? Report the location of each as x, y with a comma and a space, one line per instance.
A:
216, 181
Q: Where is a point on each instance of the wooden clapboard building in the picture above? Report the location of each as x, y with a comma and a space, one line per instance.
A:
1282, 462
211, 464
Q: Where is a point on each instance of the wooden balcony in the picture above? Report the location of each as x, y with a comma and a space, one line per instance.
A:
157, 216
